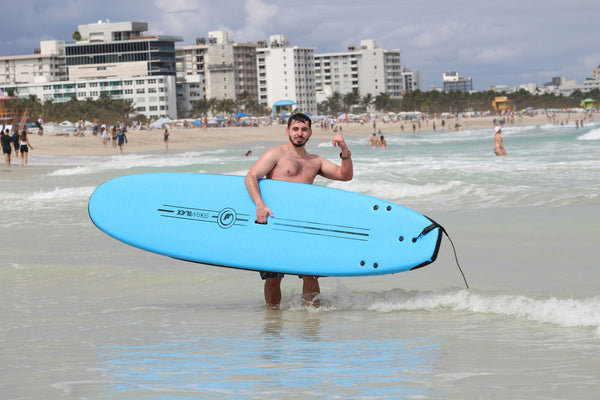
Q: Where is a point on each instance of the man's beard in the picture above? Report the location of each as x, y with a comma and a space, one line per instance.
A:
298, 144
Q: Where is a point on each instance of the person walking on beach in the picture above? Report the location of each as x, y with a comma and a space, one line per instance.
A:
6, 142
166, 139
104, 135
122, 138
24, 148
114, 137
15, 140
498, 143
40, 125
291, 162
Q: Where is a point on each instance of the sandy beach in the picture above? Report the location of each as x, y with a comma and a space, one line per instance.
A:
196, 138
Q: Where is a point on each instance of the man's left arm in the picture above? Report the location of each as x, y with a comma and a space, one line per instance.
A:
343, 172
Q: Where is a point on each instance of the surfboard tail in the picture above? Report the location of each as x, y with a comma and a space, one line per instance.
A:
433, 229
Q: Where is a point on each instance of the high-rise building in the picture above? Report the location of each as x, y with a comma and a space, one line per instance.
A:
411, 80
114, 59
227, 69
367, 69
286, 72
453, 82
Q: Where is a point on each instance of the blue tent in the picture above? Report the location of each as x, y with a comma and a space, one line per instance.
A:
240, 114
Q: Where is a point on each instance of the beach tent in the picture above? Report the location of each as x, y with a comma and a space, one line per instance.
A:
160, 122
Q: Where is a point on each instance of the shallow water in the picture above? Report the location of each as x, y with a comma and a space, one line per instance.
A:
85, 316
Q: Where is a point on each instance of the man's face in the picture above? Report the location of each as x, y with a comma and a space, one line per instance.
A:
299, 133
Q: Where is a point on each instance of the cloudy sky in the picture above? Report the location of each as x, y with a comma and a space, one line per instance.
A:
504, 42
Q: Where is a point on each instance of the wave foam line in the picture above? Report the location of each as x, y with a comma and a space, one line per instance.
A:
562, 312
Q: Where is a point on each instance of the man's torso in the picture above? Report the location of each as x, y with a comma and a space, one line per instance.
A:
292, 169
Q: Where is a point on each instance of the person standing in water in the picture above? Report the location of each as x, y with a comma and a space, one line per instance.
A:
498, 143
291, 162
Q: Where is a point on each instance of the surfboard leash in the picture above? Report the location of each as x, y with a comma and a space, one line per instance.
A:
455, 256
431, 227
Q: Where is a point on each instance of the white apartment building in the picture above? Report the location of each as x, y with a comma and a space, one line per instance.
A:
149, 94
286, 72
593, 82
411, 80
116, 59
16, 70
226, 69
368, 69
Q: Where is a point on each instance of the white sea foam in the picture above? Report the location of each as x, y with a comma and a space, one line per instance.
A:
62, 194
127, 161
46, 199
591, 135
566, 312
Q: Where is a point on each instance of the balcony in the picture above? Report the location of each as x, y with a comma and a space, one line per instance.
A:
219, 67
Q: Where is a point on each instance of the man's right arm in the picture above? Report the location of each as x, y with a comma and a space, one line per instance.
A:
258, 171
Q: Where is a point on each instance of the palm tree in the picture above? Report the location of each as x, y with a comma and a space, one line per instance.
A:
382, 102
366, 101
350, 99
202, 107
225, 106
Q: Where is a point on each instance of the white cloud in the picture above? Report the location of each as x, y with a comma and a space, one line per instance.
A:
258, 18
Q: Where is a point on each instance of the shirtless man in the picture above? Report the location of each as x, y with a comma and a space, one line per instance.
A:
291, 162
373, 141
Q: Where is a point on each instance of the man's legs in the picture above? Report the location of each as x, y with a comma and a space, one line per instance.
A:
310, 290
273, 291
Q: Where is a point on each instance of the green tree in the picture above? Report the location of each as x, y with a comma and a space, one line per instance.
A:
351, 99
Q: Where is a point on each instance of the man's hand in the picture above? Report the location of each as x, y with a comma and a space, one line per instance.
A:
338, 140
262, 212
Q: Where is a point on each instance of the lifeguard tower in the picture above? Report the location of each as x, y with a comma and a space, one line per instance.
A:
501, 103
282, 107
10, 117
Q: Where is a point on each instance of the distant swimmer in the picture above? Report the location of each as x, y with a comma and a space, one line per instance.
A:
247, 154
373, 141
498, 143
382, 142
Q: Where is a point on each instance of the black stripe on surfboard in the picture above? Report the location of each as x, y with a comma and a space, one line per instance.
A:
323, 224
360, 239
214, 221
322, 229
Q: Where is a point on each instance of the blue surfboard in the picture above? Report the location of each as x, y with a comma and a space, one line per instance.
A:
316, 230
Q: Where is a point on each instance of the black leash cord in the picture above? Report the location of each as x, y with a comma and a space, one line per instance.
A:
455, 257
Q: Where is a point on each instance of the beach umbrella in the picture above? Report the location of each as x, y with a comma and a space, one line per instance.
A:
241, 114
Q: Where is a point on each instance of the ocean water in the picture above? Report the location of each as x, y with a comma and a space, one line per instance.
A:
84, 316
